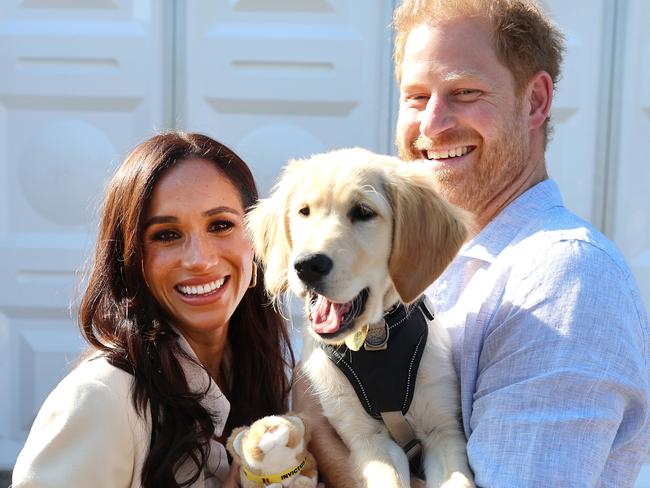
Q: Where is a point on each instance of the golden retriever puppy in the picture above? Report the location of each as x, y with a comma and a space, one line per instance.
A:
354, 234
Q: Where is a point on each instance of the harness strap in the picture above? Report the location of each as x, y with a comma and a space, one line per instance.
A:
402, 433
384, 377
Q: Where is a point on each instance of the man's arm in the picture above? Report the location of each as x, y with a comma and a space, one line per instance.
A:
331, 454
562, 392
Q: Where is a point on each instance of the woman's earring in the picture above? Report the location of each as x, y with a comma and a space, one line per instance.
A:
254, 277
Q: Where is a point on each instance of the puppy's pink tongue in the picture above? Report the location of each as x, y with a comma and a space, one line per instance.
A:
326, 317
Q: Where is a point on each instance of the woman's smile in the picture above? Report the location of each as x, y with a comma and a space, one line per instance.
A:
203, 294
201, 289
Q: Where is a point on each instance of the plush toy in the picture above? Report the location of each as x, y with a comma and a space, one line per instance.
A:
272, 452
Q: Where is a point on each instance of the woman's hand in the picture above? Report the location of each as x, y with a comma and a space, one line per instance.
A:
232, 481
417, 483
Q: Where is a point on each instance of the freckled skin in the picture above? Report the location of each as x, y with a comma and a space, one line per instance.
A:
196, 235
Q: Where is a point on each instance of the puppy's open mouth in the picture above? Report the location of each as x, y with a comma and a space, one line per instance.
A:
329, 319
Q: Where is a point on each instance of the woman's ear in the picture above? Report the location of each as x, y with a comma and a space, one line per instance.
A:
427, 231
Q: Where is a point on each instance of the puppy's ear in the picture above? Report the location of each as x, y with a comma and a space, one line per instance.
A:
267, 224
234, 443
427, 231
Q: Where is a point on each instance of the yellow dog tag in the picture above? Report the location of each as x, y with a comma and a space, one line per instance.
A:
356, 340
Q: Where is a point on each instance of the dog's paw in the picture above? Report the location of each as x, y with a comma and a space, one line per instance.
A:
458, 480
304, 482
378, 474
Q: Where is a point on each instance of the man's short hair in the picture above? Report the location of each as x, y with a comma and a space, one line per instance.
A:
525, 39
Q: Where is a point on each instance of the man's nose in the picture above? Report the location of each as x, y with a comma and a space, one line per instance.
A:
437, 117
200, 253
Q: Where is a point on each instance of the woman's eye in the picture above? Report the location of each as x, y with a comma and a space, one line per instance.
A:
221, 225
362, 213
165, 235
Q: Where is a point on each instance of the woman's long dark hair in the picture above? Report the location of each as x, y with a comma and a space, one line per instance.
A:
119, 317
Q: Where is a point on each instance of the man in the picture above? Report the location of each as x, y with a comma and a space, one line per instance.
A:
550, 339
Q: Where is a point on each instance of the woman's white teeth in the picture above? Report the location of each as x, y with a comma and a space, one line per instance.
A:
202, 289
458, 151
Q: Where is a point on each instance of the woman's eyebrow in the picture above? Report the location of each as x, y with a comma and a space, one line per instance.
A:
169, 219
160, 219
222, 209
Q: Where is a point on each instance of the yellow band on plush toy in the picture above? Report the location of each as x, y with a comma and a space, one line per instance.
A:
267, 479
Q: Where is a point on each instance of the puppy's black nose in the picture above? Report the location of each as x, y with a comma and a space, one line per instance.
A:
311, 268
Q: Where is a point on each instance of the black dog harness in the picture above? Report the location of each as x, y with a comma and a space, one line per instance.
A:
383, 372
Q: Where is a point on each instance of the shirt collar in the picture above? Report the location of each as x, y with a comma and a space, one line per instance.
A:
199, 381
503, 228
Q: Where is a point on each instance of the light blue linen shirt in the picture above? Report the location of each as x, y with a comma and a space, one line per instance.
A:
551, 343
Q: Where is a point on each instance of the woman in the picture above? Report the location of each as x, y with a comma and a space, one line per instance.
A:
184, 343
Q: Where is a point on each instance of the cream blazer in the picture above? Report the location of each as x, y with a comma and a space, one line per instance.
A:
88, 434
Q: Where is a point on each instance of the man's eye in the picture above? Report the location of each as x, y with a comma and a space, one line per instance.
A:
361, 213
416, 99
468, 93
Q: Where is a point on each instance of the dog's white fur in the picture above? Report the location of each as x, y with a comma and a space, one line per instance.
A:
396, 254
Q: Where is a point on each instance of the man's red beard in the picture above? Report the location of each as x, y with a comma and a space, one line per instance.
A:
493, 167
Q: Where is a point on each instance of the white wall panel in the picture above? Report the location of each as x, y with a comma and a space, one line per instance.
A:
575, 156
282, 79
81, 82
630, 177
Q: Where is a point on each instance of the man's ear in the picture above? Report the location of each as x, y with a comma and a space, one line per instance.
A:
427, 231
268, 226
539, 94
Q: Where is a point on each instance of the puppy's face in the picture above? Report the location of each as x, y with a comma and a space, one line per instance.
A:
351, 232
340, 221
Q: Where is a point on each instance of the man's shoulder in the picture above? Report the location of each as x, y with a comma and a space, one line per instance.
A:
564, 258
559, 224
562, 237
560, 255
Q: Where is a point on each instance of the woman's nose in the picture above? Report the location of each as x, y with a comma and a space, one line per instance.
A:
200, 253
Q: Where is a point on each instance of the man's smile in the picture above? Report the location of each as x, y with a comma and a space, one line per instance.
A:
447, 153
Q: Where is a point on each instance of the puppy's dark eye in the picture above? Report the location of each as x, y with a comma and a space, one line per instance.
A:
361, 213
304, 210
